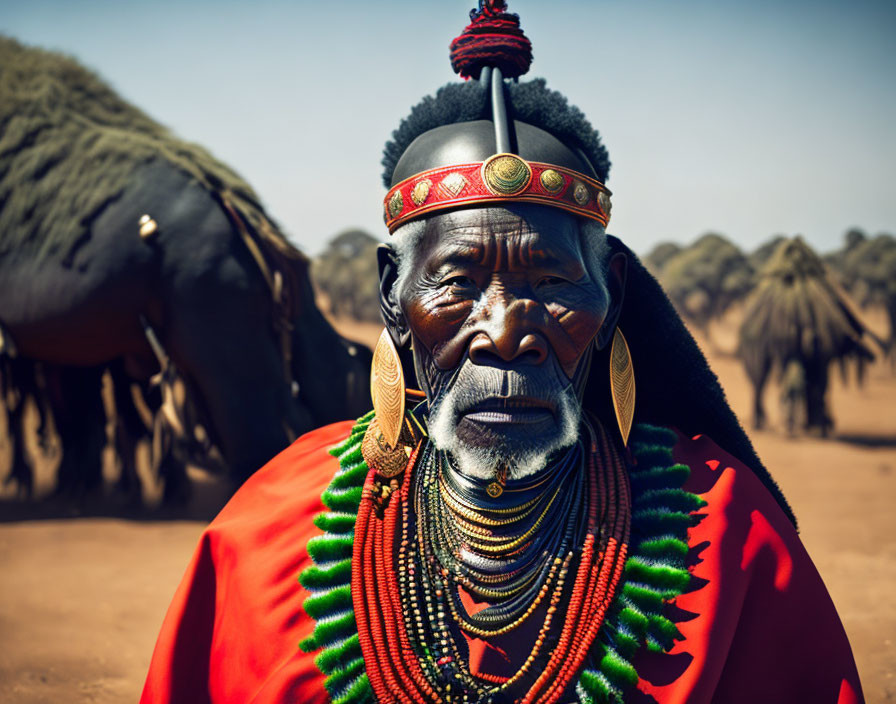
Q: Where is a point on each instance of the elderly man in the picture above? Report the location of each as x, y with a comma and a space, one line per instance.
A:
526, 528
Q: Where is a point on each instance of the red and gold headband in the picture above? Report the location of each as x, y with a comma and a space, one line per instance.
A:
501, 178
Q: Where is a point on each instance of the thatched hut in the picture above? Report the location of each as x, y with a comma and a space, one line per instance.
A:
121, 243
76, 143
797, 322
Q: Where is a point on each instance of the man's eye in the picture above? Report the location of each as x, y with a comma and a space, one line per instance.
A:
551, 281
459, 283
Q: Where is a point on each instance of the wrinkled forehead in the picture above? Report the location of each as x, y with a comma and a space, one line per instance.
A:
532, 234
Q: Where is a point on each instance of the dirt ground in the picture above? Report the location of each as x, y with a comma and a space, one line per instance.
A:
82, 596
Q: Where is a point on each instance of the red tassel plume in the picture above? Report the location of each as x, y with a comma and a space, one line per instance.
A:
493, 38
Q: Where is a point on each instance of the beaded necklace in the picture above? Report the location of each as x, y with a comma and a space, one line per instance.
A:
409, 628
361, 550
504, 560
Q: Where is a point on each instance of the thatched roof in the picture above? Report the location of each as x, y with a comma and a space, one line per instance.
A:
69, 144
798, 311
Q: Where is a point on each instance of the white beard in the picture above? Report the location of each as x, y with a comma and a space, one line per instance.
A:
475, 383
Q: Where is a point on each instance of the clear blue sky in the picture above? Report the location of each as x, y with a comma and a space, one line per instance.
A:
748, 118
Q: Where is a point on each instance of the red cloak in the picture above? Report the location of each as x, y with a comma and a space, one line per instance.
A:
759, 626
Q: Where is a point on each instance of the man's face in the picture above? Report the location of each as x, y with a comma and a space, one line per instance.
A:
502, 310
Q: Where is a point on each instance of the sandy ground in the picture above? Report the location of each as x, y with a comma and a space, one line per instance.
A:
82, 597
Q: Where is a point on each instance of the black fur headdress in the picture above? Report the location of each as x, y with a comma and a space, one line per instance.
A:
531, 102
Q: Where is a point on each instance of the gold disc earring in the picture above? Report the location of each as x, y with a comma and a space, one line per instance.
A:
387, 388
384, 445
622, 384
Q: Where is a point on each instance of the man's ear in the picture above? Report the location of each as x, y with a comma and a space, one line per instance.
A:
396, 324
617, 269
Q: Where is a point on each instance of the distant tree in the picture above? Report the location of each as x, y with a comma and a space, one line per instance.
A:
656, 259
704, 279
867, 268
854, 237
347, 274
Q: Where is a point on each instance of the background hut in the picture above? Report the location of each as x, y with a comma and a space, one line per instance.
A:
797, 322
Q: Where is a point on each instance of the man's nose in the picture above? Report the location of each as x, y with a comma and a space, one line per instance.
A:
516, 336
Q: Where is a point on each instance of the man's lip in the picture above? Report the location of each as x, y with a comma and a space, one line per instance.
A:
513, 409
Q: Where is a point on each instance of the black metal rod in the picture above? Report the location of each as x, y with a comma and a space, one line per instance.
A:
499, 113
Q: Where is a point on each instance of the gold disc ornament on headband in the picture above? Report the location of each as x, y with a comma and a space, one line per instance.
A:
506, 174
